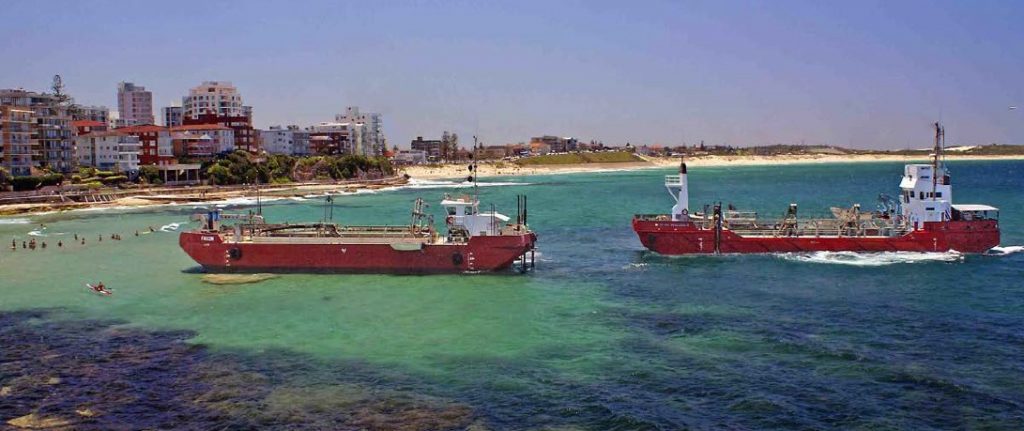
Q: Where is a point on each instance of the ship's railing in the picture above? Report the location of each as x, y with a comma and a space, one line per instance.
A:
746, 224
828, 230
316, 230
653, 217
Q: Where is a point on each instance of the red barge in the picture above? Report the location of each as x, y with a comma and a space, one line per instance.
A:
923, 219
473, 242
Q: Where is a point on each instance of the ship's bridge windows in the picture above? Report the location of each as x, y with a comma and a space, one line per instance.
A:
451, 210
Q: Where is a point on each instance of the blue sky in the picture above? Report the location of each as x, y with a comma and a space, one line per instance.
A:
859, 74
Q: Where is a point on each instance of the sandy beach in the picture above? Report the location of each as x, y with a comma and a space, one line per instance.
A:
451, 171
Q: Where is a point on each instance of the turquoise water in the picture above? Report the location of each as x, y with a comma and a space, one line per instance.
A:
602, 335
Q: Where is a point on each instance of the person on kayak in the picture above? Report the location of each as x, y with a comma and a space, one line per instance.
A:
100, 288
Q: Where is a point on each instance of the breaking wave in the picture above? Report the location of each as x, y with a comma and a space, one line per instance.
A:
242, 201
416, 184
1003, 251
437, 184
14, 221
873, 259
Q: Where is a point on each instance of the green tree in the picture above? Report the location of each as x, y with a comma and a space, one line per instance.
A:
150, 174
5, 178
219, 174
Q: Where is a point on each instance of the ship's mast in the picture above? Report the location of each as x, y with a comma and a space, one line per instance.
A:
473, 169
940, 141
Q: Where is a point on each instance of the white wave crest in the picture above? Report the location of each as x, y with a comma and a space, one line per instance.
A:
444, 184
242, 201
14, 221
37, 232
170, 227
1003, 251
873, 259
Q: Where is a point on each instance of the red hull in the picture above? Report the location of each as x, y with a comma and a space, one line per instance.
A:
481, 253
674, 238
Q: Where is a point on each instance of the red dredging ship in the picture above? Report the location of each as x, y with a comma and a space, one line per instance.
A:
473, 242
923, 219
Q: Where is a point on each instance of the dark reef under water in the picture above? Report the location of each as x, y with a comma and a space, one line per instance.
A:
97, 375
103, 375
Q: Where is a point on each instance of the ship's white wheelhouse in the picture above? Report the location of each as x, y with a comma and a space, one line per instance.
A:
463, 213
678, 188
926, 195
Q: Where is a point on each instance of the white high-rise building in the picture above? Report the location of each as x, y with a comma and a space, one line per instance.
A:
113, 150
371, 140
134, 104
216, 97
278, 140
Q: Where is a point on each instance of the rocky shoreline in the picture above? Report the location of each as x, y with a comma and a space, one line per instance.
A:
187, 195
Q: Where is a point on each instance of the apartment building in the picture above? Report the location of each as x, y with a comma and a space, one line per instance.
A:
371, 136
91, 113
155, 143
50, 143
218, 102
201, 140
18, 150
111, 150
171, 115
134, 105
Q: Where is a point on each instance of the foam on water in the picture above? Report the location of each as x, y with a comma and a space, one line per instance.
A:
445, 184
1003, 251
872, 259
170, 227
14, 221
241, 201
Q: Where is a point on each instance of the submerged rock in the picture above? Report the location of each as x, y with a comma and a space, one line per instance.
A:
115, 377
33, 421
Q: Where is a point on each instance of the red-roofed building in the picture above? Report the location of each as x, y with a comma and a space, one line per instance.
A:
88, 126
156, 143
201, 140
245, 137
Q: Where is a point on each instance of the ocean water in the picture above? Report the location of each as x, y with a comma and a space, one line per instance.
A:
602, 335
